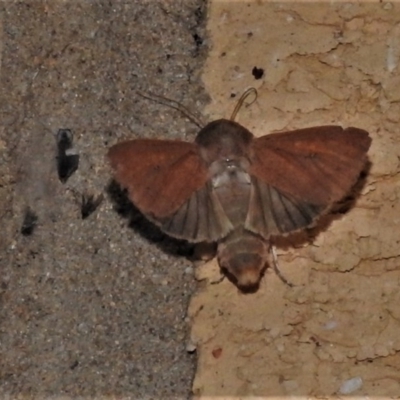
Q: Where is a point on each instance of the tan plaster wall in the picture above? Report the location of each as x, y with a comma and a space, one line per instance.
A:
324, 63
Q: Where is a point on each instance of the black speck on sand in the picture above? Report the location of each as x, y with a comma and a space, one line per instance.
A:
91, 308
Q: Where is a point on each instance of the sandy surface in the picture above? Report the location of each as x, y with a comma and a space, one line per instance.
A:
337, 331
95, 307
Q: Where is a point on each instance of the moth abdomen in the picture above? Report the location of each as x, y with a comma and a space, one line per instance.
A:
242, 255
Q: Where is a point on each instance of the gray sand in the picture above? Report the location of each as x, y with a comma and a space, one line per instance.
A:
92, 307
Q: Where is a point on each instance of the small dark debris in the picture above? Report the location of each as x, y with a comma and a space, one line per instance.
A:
67, 158
258, 73
74, 365
233, 95
90, 204
217, 352
108, 134
29, 223
197, 40
315, 341
199, 14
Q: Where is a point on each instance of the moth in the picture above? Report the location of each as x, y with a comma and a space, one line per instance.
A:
238, 190
67, 157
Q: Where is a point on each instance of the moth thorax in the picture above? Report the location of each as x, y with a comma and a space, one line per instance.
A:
223, 139
243, 257
232, 185
225, 172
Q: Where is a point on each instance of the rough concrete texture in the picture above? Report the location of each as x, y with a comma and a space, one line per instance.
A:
92, 308
336, 332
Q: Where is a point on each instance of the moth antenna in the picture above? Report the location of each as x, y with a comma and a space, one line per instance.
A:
175, 105
276, 267
218, 281
243, 97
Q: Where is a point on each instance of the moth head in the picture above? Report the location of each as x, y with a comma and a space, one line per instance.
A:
224, 140
245, 270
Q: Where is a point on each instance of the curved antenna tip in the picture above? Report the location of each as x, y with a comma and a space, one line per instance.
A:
242, 99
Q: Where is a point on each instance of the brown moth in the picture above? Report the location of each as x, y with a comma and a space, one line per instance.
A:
237, 190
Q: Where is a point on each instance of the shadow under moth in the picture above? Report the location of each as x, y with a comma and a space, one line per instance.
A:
237, 190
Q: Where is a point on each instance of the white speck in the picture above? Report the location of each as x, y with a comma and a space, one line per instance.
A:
191, 347
393, 53
290, 386
238, 75
224, 17
351, 385
254, 386
123, 274
275, 60
71, 152
330, 325
189, 271
289, 18
280, 348
391, 59
274, 332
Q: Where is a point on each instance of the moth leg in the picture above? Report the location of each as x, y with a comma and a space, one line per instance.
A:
275, 265
206, 265
218, 281
204, 251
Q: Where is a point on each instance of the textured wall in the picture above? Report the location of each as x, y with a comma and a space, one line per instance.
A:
324, 63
